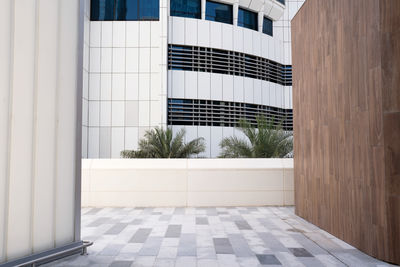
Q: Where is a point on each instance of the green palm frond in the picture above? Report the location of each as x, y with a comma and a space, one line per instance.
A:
264, 141
160, 143
194, 147
233, 147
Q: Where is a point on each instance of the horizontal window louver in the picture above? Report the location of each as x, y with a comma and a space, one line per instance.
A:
204, 59
197, 112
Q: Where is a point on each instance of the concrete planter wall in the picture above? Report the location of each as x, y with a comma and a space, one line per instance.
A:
187, 182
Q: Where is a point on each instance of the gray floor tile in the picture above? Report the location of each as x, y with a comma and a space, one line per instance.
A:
186, 262
116, 229
223, 246
144, 261
201, 221
141, 235
164, 263
309, 245
151, 247
125, 257
268, 259
187, 245
179, 211
300, 252
93, 211
173, 231
170, 242
99, 221
240, 246
121, 264
227, 260
314, 262
208, 237
165, 217
206, 253
168, 253
272, 243
137, 222
212, 212
112, 250
243, 225
248, 261
207, 263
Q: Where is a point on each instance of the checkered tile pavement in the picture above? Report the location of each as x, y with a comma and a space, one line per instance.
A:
209, 237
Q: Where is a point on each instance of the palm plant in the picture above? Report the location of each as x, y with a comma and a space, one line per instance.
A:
264, 141
160, 143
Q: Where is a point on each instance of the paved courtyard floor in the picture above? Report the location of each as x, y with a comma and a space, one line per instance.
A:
209, 237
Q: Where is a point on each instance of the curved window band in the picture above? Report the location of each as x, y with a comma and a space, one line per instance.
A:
198, 112
206, 59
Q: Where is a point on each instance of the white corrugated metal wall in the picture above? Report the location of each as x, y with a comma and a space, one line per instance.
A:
40, 84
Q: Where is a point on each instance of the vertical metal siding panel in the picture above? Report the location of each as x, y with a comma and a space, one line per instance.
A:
66, 160
43, 199
19, 209
5, 63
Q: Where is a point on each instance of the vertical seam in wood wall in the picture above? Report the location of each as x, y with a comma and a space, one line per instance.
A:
387, 241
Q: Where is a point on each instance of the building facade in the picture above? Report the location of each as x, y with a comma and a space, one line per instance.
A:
194, 64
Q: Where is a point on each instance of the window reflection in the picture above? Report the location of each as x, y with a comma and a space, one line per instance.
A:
186, 8
219, 12
102, 10
248, 19
267, 26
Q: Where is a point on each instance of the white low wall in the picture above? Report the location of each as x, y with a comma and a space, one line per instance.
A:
187, 182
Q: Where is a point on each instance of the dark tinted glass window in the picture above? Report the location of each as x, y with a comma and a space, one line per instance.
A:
125, 9
248, 19
102, 10
149, 9
219, 12
186, 8
267, 26
281, 1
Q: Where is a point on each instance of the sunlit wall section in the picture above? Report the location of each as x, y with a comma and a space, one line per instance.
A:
5, 50
40, 111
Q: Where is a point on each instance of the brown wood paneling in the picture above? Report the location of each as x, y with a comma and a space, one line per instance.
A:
346, 100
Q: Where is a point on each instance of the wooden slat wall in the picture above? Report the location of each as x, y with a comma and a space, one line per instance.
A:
346, 98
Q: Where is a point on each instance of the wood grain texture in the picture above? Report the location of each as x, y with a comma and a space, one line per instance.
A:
346, 100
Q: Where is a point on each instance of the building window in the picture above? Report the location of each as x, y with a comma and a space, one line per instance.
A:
213, 60
196, 112
281, 1
102, 9
125, 10
248, 19
149, 9
219, 12
186, 8
267, 26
